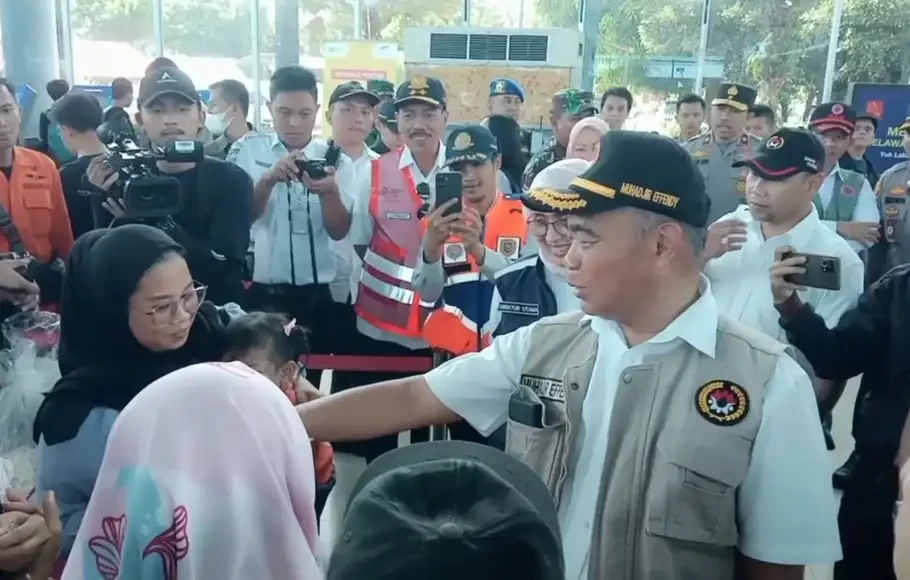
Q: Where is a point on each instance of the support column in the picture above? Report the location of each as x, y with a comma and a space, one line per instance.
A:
30, 50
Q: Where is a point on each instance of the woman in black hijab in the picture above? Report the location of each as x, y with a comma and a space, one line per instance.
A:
130, 314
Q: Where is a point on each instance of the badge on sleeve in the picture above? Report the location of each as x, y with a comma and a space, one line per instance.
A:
508, 246
722, 403
453, 254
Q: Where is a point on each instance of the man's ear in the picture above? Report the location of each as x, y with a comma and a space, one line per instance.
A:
445, 116
497, 162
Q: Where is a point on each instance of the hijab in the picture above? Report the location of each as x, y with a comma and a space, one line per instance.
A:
101, 362
588, 123
208, 473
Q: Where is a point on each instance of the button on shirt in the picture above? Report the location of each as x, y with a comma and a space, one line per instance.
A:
866, 206
785, 507
362, 225
741, 282
292, 218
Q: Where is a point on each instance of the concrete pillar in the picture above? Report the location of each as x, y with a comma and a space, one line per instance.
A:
30, 49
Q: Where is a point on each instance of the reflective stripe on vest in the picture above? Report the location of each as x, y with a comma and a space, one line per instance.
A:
386, 297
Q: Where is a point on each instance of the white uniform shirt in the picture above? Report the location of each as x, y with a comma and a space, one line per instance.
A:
350, 172
362, 226
786, 509
741, 283
283, 226
866, 206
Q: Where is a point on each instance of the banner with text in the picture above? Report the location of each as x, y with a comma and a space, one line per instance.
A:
356, 60
890, 104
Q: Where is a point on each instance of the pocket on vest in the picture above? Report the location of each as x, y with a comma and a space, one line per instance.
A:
541, 449
692, 493
39, 207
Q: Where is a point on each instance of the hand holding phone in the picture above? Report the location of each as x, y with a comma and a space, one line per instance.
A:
793, 271
449, 186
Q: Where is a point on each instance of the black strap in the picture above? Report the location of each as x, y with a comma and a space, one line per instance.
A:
11, 232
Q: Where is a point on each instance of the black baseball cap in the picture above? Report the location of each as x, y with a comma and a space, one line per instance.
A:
736, 96
624, 176
421, 89
353, 89
381, 87
833, 116
868, 116
472, 143
575, 102
786, 153
166, 81
387, 115
426, 509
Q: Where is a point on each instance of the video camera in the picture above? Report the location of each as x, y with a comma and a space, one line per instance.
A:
147, 193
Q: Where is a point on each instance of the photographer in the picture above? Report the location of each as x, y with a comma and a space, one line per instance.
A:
213, 221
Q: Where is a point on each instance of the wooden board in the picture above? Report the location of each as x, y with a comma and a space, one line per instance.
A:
468, 89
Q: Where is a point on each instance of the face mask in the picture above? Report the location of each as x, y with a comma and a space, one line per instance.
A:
217, 123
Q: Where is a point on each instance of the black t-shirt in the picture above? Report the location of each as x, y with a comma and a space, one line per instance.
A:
213, 225
78, 205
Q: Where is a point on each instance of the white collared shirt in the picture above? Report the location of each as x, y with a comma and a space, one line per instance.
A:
362, 225
741, 282
786, 508
292, 218
866, 206
350, 172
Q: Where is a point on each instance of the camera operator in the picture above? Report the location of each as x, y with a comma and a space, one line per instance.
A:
296, 214
213, 221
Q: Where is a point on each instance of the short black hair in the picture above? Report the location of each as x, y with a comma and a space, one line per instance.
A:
78, 111
763, 111
159, 63
267, 331
57, 88
5, 83
292, 78
690, 98
121, 87
234, 92
621, 92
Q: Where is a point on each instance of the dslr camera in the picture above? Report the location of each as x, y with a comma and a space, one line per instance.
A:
315, 168
146, 192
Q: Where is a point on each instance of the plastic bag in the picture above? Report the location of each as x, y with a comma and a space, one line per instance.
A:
27, 371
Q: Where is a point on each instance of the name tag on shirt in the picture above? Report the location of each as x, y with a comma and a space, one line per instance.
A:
265, 164
398, 215
521, 308
544, 387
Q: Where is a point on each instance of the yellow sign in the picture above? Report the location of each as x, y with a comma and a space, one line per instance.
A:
357, 60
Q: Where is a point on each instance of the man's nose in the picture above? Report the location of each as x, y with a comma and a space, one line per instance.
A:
573, 256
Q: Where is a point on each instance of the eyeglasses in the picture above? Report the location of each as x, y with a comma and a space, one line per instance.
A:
189, 302
538, 226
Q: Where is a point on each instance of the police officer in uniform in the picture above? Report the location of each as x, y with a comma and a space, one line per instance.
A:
676, 442
507, 98
725, 143
891, 192
385, 90
569, 107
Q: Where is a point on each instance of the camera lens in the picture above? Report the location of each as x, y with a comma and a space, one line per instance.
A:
827, 266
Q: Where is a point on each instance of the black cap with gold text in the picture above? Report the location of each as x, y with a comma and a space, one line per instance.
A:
471, 143
421, 89
624, 177
736, 96
786, 153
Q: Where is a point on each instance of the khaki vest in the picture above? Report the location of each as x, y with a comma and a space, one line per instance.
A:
667, 506
847, 187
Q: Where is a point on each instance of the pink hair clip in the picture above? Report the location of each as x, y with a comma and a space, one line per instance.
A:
289, 327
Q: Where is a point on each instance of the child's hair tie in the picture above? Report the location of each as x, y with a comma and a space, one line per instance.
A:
289, 327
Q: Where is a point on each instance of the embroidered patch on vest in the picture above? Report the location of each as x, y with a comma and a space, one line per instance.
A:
722, 403
891, 211
522, 308
544, 388
848, 190
398, 215
508, 246
454, 253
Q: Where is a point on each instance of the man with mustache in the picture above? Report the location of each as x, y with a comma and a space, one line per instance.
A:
213, 223
726, 142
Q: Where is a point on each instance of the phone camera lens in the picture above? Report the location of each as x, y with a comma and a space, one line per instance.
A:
827, 266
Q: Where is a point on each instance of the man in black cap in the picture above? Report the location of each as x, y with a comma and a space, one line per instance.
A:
215, 217
650, 377
846, 201
724, 143
387, 127
385, 90
449, 510
569, 107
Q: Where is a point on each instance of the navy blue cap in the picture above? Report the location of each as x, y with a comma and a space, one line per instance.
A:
503, 86
472, 143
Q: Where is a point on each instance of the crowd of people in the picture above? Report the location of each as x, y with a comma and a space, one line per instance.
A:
635, 342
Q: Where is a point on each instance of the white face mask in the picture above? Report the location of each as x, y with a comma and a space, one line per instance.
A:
217, 123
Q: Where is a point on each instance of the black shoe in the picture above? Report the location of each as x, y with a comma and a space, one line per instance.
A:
840, 477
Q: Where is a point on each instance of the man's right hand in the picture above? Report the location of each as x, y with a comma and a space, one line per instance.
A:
101, 174
285, 170
862, 232
15, 288
439, 228
781, 288
723, 237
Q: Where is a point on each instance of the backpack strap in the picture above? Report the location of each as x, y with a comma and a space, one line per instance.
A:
11, 232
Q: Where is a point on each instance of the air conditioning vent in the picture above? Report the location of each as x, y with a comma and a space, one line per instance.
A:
450, 46
488, 47
528, 47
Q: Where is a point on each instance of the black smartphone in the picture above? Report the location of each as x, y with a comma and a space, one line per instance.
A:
315, 168
448, 186
526, 412
821, 271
